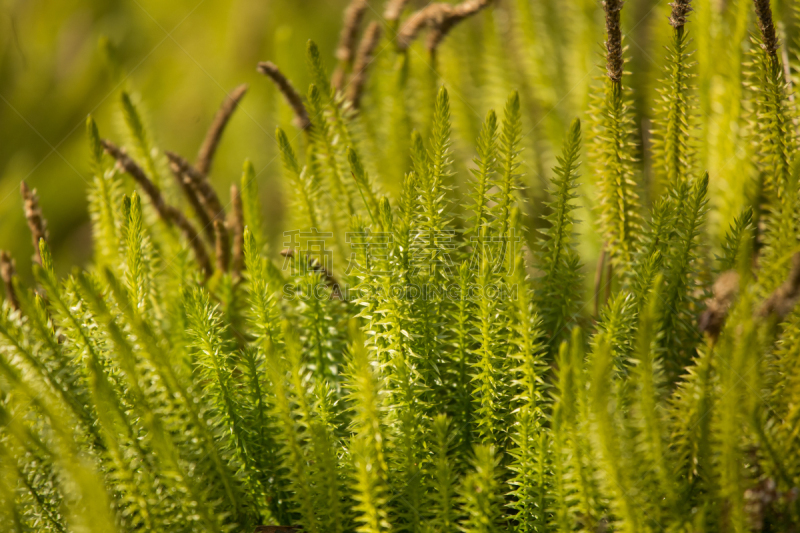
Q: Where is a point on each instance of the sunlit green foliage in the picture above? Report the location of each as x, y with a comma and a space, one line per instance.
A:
417, 358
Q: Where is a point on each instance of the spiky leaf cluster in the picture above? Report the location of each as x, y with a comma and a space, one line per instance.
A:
417, 359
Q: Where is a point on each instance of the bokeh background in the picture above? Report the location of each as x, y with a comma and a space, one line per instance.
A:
61, 60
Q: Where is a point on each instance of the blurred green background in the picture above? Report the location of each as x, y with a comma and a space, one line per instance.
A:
62, 60
179, 58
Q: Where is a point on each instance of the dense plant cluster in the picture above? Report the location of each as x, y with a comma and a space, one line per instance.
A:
423, 354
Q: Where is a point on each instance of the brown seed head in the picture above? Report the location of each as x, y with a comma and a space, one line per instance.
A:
767, 27
352, 22
286, 88
206, 154
364, 56
36, 221
614, 59
7, 273
169, 214
680, 10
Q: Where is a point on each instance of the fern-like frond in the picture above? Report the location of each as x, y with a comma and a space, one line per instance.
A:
682, 280
614, 150
558, 296
480, 493
737, 240
673, 153
370, 483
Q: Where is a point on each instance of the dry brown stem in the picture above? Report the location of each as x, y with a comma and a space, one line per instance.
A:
169, 214
209, 147
36, 221
286, 88
364, 56
7, 273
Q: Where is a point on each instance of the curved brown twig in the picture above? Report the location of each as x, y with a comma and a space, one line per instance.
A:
414, 24
456, 15
36, 221
194, 200
363, 58
206, 193
286, 88
353, 15
7, 273
169, 214
206, 154
440, 18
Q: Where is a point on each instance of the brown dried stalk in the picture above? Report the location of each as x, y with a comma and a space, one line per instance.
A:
169, 214
286, 88
194, 200
353, 16
199, 182
364, 55
36, 221
614, 59
393, 10
680, 10
456, 15
767, 27
784, 298
7, 273
724, 294
236, 225
352, 21
414, 24
206, 154
440, 18
207, 197
126, 164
